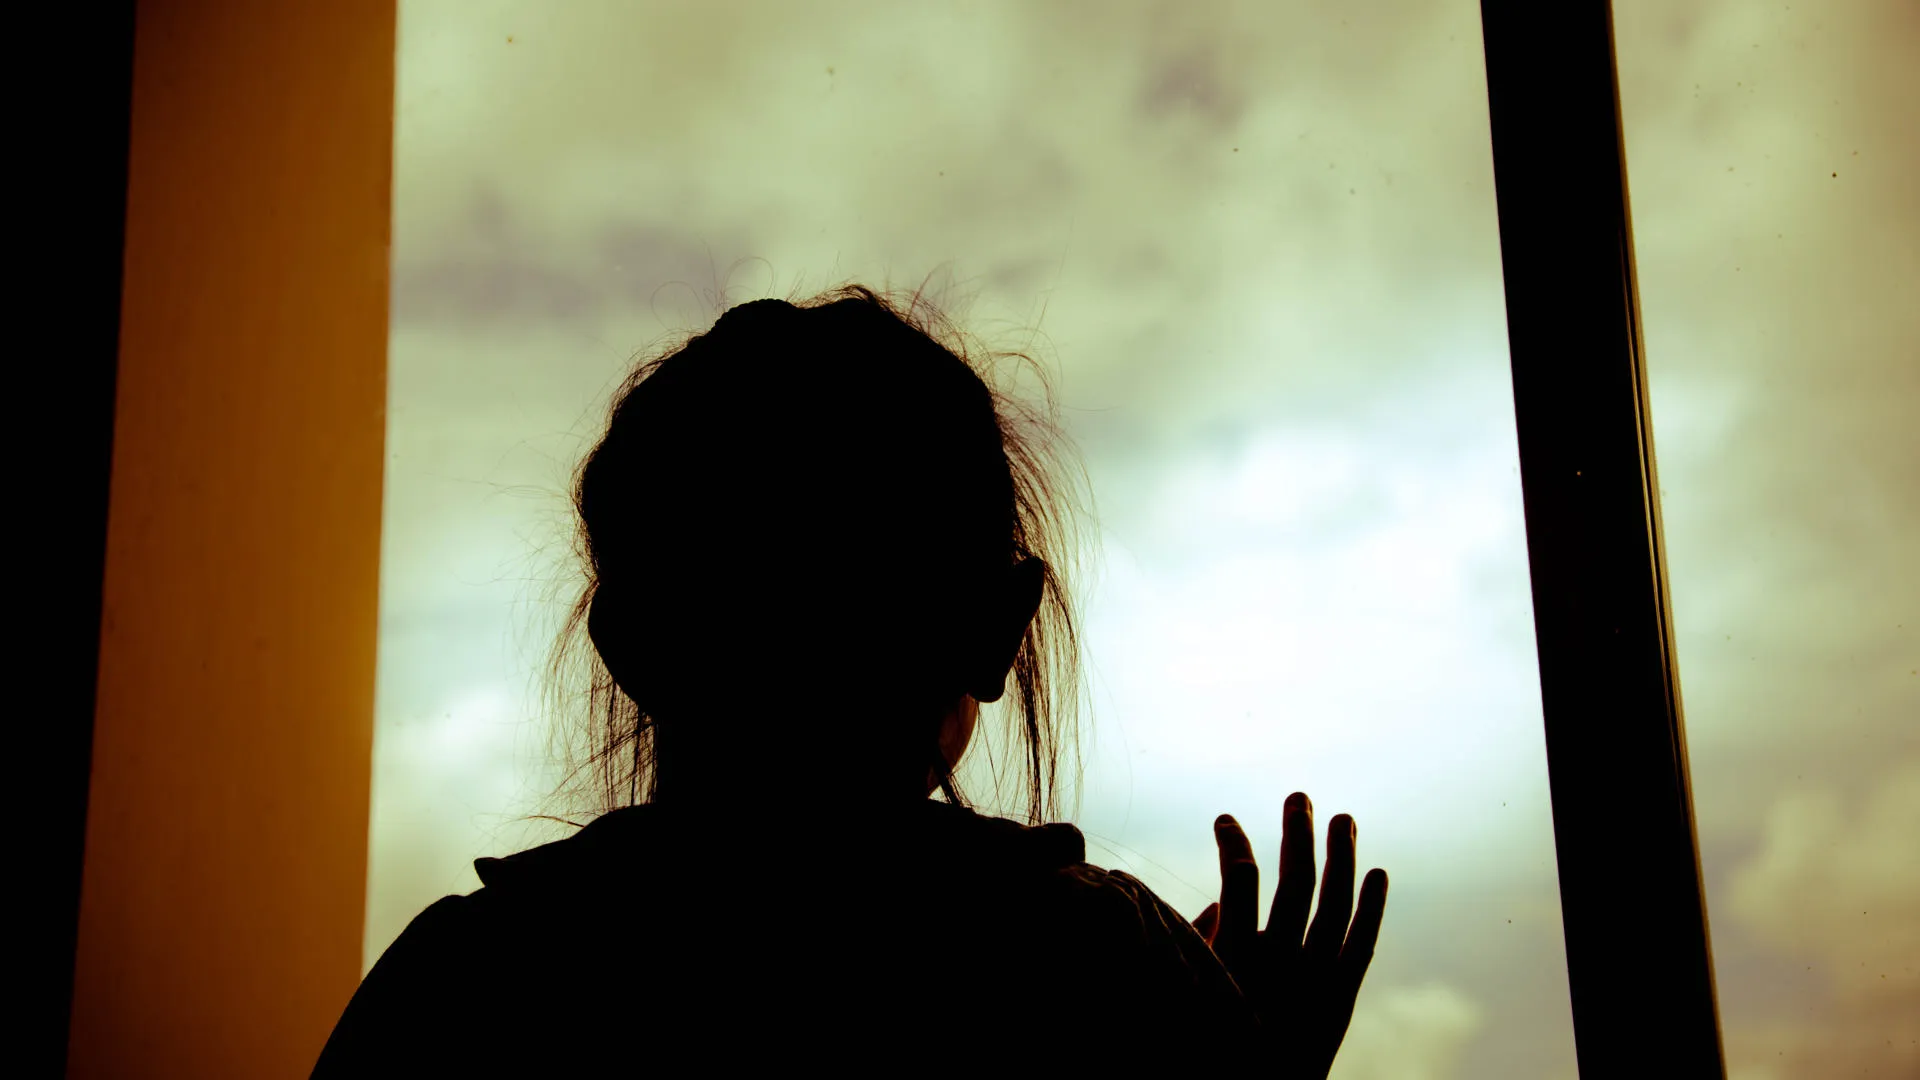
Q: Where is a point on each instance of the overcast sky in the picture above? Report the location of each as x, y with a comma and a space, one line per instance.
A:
1257, 245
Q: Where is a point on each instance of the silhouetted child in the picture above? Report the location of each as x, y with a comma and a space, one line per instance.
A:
815, 539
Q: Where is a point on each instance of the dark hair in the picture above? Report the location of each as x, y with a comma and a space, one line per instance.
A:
733, 468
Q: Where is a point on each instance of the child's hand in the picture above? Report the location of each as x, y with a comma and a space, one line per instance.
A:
1304, 991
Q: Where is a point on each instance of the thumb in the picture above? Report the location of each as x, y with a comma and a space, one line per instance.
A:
1208, 922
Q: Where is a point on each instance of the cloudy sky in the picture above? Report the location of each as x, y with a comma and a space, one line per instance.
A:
1257, 245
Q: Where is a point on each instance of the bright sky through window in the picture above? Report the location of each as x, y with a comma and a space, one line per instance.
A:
1259, 249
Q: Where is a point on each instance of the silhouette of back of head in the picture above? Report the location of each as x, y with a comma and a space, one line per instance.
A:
809, 532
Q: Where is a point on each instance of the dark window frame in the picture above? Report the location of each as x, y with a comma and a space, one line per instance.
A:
73, 142
1639, 957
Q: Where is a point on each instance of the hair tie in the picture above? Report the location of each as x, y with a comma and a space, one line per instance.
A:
756, 312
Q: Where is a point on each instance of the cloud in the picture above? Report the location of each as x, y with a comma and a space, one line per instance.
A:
1409, 1033
448, 787
1835, 884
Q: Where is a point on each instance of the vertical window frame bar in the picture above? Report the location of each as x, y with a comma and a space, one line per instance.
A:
1639, 953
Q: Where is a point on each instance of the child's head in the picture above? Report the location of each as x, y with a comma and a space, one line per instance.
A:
814, 536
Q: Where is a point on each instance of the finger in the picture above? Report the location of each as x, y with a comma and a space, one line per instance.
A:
1329, 930
1293, 897
1364, 934
1207, 922
1239, 913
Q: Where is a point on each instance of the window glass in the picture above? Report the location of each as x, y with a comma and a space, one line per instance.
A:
1771, 155
1256, 245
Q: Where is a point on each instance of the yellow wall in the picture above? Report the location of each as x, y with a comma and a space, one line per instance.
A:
224, 884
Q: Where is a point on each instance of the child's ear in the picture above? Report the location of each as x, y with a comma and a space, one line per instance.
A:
1018, 601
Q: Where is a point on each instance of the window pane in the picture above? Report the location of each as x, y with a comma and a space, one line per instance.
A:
1773, 164
1257, 245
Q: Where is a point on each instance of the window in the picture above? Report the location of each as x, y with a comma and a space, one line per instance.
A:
1770, 152
1259, 249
